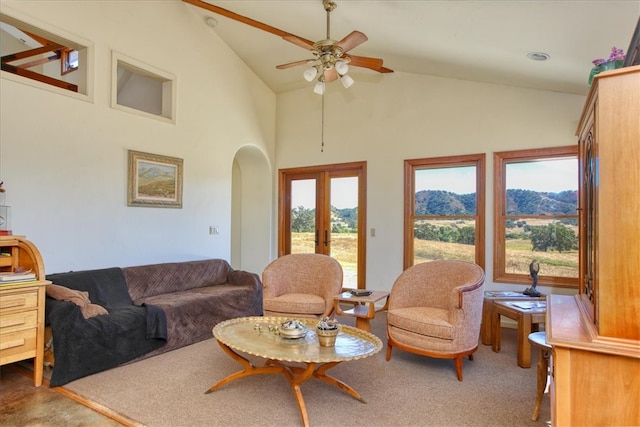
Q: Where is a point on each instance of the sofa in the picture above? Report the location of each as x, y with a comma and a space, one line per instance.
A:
150, 309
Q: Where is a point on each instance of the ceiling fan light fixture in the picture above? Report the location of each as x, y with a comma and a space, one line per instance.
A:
319, 88
347, 81
342, 67
310, 73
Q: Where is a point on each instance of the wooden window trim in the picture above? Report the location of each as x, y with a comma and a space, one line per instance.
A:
477, 160
500, 161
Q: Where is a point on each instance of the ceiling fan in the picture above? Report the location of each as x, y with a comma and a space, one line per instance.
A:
331, 59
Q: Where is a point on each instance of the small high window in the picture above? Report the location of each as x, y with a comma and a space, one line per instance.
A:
140, 88
38, 57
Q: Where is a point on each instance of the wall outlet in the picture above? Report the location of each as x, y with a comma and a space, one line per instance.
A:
214, 230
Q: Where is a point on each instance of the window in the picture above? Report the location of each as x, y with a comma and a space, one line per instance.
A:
70, 61
536, 201
44, 59
444, 209
141, 89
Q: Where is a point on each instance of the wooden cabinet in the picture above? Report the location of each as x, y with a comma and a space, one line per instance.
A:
596, 334
22, 306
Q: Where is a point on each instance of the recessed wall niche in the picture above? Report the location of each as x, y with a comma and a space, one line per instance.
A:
142, 89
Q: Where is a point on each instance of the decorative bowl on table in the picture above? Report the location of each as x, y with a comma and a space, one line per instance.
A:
292, 329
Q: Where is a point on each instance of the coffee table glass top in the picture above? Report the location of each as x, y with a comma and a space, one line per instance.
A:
252, 335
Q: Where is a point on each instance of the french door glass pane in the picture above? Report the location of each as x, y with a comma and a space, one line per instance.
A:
344, 227
303, 216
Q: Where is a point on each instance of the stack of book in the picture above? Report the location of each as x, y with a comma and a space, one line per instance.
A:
14, 277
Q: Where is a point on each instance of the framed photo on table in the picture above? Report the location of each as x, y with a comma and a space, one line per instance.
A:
154, 180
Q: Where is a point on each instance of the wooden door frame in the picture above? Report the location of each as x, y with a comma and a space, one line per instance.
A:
352, 169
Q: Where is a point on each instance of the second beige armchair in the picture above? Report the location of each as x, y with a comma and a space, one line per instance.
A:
435, 309
301, 285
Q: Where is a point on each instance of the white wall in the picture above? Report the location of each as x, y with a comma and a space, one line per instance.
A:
64, 160
404, 116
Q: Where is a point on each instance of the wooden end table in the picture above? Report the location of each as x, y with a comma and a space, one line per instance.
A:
364, 307
490, 297
528, 314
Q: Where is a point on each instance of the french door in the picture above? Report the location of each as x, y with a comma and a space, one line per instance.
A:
322, 209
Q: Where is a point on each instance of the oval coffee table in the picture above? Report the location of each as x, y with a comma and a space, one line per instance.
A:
257, 336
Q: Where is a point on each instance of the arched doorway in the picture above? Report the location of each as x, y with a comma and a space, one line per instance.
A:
251, 210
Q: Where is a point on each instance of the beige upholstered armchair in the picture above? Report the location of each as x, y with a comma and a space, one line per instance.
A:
435, 309
301, 285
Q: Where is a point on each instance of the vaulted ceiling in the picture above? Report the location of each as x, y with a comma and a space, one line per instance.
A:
479, 40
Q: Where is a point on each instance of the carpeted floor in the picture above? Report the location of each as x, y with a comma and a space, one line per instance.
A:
409, 390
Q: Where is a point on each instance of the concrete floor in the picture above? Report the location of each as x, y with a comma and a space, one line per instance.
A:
22, 404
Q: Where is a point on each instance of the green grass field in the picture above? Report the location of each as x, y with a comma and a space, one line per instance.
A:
519, 254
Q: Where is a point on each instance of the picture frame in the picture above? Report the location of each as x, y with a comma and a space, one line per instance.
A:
154, 180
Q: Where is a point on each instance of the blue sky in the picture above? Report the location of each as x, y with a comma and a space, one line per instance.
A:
548, 175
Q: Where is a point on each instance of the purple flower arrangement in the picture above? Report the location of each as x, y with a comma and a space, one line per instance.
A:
616, 55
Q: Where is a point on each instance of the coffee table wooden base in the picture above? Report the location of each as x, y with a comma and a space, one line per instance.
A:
294, 374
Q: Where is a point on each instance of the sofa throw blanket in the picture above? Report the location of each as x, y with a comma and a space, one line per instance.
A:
87, 346
79, 298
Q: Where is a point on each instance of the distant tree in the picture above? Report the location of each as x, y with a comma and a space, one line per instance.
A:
448, 234
467, 235
566, 238
553, 236
303, 220
348, 215
541, 239
425, 232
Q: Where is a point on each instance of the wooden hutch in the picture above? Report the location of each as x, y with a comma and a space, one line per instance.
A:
595, 376
22, 305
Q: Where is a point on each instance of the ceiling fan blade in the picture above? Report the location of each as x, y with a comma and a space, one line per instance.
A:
294, 64
384, 70
355, 38
365, 62
330, 75
298, 41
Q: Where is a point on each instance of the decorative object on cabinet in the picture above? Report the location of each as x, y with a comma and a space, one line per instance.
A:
154, 180
22, 305
596, 334
534, 269
615, 60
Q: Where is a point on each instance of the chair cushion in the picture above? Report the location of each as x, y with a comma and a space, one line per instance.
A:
295, 304
429, 321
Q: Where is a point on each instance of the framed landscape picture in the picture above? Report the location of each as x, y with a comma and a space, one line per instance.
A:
154, 180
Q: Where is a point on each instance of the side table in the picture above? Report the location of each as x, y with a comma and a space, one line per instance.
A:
490, 297
527, 314
364, 307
